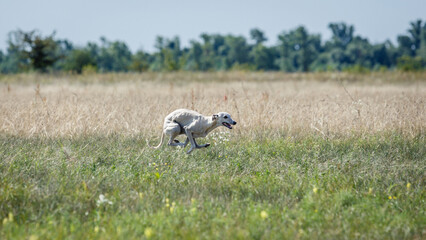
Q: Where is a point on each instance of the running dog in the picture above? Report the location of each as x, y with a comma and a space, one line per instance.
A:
193, 125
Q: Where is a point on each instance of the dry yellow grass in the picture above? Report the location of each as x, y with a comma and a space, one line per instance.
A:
51, 106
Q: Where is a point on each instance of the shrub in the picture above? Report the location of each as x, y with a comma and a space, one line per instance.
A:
409, 64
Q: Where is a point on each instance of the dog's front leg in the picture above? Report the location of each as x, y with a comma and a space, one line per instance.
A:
191, 139
201, 146
204, 145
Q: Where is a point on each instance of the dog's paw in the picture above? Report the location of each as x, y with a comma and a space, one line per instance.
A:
207, 144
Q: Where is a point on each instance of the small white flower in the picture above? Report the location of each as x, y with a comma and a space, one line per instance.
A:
102, 199
220, 137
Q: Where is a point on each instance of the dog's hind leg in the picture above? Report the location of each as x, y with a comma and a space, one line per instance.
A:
186, 142
173, 142
173, 130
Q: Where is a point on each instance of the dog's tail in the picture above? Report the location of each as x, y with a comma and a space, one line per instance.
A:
159, 145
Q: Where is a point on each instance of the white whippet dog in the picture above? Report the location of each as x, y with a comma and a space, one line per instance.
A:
193, 125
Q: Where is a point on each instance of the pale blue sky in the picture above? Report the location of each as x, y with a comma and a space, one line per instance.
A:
138, 22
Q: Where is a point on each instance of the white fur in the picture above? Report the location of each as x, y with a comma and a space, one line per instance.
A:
194, 125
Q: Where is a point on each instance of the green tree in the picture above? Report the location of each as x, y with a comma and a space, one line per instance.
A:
285, 50
407, 63
43, 52
172, 54
381, 54
194, 56
342, 34
405, 46
415, 33
31, 49
298, 50
345, 50
140, 62
236, 50
2, 62
170, 62
263, 57
14, 60
359, 52
409, 45
307, 46
113, 56
64, 49
219, 49
168, 55
422, 50
207, 57
78, 59
158, 62
258, 36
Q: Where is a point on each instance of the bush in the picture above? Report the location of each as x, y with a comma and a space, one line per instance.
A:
89, 69
357, 68
409, 64
78, 59
243, 67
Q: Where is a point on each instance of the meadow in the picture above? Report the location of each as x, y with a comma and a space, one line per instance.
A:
313, 156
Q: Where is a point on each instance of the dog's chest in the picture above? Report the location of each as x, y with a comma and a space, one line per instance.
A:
199, 134
199, 131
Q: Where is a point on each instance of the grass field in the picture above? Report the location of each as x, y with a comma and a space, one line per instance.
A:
314, 156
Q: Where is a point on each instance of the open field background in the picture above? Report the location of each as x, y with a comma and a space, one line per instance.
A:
330, 156
332, 104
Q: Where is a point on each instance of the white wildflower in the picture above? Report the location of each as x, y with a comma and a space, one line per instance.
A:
102, 199
220, 137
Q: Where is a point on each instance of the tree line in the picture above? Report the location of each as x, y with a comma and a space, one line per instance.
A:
296, 50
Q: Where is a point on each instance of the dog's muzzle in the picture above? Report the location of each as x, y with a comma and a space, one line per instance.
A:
229, 125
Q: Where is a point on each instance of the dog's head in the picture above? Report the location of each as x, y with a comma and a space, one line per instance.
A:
224, 118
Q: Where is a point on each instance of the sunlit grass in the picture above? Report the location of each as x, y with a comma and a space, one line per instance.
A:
114, 187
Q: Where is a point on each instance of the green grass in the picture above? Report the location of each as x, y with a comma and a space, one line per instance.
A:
306, 188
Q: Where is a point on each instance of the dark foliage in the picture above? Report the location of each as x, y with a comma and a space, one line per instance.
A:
296, 51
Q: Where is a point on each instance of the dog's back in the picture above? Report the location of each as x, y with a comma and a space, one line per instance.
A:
183, 117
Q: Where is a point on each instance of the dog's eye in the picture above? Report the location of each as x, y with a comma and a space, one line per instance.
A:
225, 117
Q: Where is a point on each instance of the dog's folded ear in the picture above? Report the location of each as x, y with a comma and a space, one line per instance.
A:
215, 116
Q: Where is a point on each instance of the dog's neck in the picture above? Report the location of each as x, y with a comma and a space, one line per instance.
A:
212, 124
